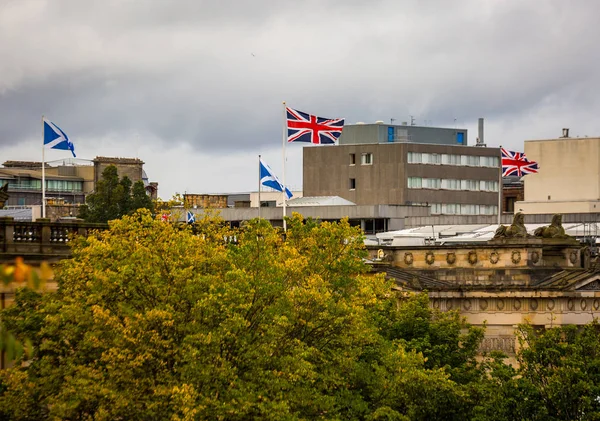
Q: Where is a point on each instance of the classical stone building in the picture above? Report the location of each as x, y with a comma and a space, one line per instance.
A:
501, 283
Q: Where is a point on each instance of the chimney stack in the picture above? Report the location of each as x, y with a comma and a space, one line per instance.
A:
565, 132
480, 139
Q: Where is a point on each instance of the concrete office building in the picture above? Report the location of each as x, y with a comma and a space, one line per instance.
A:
452, 180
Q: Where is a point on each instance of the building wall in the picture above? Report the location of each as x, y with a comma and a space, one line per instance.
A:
130, 167
569, 170
328, 171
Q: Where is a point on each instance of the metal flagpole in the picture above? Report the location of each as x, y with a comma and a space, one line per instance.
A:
500, 189
259, 187
43, 172
284, 139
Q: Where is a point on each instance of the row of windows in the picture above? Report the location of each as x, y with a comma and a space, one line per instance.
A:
458, 209
365, 159
452, 184
51, 185
449, 159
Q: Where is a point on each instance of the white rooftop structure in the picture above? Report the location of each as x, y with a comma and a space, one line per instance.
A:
319, 201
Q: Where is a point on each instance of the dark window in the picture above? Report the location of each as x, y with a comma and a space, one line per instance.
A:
352, 183
352, 159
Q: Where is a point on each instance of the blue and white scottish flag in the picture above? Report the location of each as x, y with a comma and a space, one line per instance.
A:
55, 138
267, 178
190, 218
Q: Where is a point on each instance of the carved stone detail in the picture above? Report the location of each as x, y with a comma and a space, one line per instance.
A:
451, 258
499, 343
515, 257
500, 304
467, 304
533, 304
515, 230
535, 257
472, 257
483, 304
570, 304
429, 257
449, 304
517, 304
583, 304
573, 257
494, 257
550, 304
408, 258
554, 230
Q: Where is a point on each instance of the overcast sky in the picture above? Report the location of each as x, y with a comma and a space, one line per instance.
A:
195, 88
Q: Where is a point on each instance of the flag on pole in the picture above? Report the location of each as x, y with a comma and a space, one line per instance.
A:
303, 127
55, 138
267, 178
516, 163
190, 218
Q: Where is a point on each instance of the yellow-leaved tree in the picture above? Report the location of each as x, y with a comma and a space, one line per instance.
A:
157, 321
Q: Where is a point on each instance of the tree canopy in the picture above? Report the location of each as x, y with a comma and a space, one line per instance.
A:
155, 321
114, 198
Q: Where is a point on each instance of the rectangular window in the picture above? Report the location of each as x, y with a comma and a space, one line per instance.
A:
367, 159
352, 159
432, 183
415, 182
352, 183
415, 157
460, 138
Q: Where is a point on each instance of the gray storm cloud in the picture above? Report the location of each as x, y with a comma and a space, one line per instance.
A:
211, 75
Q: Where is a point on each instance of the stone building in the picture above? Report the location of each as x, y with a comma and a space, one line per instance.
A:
501, 283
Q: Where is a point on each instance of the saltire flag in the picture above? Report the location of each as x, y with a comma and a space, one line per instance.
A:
267, 178
516, 163
303, 127
55, 138
190, 218
164, 217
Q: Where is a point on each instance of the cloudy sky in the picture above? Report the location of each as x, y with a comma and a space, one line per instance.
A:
195, 88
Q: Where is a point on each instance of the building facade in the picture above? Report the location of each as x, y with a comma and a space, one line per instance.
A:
452, 180
568, 180
387, 133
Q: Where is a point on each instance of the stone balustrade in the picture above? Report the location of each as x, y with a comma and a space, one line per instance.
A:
40, 240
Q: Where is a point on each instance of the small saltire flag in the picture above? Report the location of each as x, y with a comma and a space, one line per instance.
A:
55, 138
267, 178
303, 127
516, 163
190, 218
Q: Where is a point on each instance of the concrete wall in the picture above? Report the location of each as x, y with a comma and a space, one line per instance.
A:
327, 171
569, 170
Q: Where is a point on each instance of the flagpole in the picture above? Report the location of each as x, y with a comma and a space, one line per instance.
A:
43, 172
500, 189
284, 139
258, 186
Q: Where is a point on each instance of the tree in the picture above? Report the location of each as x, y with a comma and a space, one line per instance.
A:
113, 198
154, 321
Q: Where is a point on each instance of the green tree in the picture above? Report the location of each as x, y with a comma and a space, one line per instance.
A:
156, 321
558, 377
139, 197
113, 198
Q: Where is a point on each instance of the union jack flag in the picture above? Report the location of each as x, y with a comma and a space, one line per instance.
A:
516, 163
303, 127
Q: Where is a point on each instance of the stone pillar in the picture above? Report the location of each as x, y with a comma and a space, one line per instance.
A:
7, 232
46, 235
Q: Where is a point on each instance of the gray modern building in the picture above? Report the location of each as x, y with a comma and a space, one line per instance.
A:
386, 133
452, 180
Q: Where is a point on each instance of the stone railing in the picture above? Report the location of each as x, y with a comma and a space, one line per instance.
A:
42, 238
